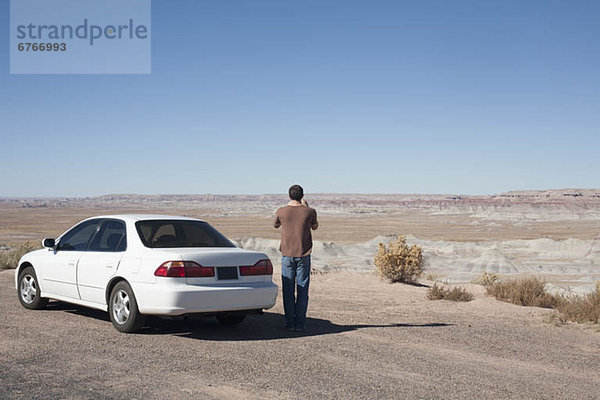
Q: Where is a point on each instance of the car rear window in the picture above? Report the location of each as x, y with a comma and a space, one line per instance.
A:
180, 233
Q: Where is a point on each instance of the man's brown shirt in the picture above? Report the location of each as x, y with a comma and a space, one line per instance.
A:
295, 222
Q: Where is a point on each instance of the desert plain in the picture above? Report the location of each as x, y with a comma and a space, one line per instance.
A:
365, 338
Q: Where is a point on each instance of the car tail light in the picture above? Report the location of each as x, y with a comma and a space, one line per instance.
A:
194, 270
184, 269
263, 267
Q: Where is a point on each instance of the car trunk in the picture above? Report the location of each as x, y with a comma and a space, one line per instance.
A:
226, 262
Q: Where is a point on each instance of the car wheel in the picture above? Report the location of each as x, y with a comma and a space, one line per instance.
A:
29, 291
123, 309
230, 319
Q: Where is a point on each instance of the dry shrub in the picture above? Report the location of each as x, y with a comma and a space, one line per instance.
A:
455, 294
582, 308
398, 262
486, 279
529, 292
9, 259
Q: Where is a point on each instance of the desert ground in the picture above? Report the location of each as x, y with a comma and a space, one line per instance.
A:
365, 338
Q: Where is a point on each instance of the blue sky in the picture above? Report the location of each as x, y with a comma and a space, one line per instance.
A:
468, 97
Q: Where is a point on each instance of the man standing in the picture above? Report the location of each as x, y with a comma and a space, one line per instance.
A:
296, 220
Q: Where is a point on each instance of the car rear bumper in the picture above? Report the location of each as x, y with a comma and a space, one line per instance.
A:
171, 296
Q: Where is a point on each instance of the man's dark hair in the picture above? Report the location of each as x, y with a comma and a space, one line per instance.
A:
296, 192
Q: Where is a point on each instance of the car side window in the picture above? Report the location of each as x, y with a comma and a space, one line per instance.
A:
77, 238
110, 237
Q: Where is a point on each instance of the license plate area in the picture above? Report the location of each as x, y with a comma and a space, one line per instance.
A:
227, 273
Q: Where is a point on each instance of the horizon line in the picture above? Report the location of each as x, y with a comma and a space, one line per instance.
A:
40, 197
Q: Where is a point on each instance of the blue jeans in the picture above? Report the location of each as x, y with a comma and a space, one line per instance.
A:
295, 271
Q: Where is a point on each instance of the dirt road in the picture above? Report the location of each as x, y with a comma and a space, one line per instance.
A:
365, 339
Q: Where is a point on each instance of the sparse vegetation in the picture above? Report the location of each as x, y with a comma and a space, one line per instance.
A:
10, 258
531, 292
455, 294
486, 279
528, 291
399, 262
582, 308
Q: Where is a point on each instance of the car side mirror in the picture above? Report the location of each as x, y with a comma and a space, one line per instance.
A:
49, 243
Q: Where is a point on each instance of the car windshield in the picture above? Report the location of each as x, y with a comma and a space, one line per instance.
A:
180, 233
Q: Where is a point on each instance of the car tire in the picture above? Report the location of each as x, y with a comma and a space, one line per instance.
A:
123, 309
28, 290
230, 319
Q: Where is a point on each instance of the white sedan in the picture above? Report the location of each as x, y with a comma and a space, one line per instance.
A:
137, 265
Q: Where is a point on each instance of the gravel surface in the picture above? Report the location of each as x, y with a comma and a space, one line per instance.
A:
364, 339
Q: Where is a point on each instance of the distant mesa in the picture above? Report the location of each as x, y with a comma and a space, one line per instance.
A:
567, 202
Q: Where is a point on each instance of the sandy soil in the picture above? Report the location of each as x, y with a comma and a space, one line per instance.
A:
365, 339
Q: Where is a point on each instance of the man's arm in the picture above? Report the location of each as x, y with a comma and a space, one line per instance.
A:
315, 223
277, 222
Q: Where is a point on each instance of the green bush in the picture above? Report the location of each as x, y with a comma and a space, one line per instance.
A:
455, 294
399, 262
9, 259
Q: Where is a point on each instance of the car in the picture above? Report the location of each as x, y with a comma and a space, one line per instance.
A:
134, 266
